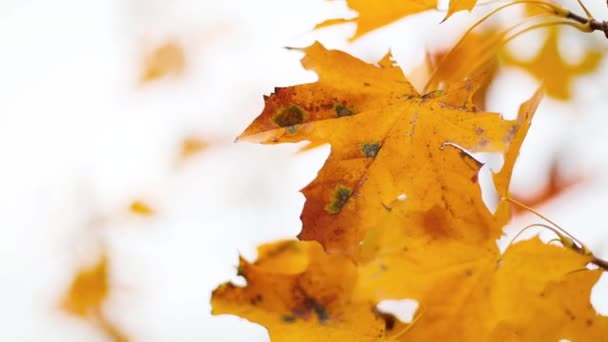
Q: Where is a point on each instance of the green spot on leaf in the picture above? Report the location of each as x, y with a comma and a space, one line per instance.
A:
289, 116
288, 318
341, 110
370, 150
339, 198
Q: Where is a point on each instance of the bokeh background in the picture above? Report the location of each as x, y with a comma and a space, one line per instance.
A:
106, 102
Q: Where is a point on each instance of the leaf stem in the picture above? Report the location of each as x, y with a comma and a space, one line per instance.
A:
567, 240
527, 208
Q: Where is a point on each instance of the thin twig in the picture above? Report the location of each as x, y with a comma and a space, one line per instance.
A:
592, 24
601, 263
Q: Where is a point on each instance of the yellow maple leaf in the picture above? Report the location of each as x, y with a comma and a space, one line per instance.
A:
141, 208
524, 119
549, 66
375, 14
86, 295
167, 59
300, 293
88, 290
468, 291
474, 51
192, 146
398, 207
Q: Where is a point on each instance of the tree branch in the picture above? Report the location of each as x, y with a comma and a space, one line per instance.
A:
593, 24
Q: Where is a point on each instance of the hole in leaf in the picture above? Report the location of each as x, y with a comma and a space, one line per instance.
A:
403, 309
599, 295
402, 197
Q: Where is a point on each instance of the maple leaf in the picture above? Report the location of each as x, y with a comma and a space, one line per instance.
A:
548, 66
445, 257
447, 67
300, 293
88, 290
167, 59
468, 291
502, 179
141, 208
386, 139
86, 295
375, 14
192, 146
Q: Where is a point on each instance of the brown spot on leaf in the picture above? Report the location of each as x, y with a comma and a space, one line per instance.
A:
256, 299
435, 222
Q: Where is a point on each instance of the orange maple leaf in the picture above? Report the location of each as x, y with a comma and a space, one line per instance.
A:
443, 255
192, 146
480, 50
140, 207
468, 291
300, 293
86, 295
375, 14
167, 59
548, 66
398, 151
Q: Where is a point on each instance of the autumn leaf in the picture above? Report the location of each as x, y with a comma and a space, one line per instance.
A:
398, 205
459, 5
88, 290
480, 50
549, 66
141, 208
86, 295
487, 46
468, 291
166, 60
375, 14
300, 294
399, 151
502, 179
466, 288
552, 289
191, 146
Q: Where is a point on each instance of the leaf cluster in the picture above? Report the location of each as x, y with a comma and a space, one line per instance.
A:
396, 211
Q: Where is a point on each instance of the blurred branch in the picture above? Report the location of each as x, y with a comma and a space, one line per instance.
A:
588, 24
